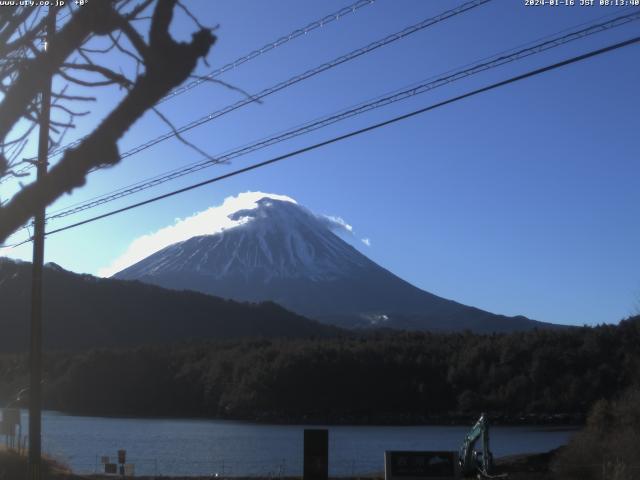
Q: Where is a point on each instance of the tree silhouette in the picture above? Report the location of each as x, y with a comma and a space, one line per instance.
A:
78, 57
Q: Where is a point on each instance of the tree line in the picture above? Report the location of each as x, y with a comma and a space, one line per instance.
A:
379, 377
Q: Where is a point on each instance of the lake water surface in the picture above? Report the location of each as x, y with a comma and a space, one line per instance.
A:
206, 447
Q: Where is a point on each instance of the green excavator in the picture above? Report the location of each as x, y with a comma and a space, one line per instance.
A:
472, 462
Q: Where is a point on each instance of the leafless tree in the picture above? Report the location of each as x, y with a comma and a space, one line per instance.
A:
79, 57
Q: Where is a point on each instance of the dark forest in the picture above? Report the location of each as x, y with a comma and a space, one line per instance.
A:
382, 377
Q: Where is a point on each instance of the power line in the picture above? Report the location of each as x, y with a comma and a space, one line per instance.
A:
354, 133
298, 32
249, 56
269, 46
310, 73
14, 245
432, 83
298, 78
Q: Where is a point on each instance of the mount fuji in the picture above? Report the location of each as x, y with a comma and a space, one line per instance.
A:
279, 251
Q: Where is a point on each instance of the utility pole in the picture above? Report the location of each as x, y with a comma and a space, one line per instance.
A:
35, 357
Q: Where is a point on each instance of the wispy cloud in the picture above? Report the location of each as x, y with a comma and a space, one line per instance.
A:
207, 222
337, 223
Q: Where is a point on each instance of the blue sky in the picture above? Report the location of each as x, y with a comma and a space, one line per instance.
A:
523, 200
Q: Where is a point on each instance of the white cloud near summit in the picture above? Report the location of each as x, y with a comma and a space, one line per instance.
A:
337, 223
210, 221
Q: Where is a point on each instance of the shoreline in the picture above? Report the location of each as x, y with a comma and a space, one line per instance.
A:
562, 420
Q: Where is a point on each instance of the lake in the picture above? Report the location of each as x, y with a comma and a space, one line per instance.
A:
206, 447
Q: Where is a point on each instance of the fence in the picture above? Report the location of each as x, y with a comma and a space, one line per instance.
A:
283, 468
274, 468
280, 468
212, 467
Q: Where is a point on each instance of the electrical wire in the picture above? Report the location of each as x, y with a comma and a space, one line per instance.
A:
428, 22
415, 89
352, 8
269, 46
493, 86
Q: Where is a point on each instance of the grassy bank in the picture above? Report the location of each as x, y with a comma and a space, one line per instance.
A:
14, 467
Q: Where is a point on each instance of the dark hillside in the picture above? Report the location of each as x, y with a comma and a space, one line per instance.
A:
82, 312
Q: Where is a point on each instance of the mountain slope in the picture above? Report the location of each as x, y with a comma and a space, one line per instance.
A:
282, 252
82, 311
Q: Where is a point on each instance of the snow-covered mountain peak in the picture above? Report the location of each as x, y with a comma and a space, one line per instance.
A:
269, 209
257, 247
274, 238
271, 214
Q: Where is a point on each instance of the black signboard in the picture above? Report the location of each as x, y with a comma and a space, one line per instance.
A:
110, 468
414, 465
316, 454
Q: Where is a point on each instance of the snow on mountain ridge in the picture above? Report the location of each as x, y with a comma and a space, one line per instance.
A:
276, 239
206, 222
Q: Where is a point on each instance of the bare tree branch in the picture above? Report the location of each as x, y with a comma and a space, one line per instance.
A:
179, 136
167, 64
112, 76
227, 85
34, 72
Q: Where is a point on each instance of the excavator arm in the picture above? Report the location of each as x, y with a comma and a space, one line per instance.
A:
471, 461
